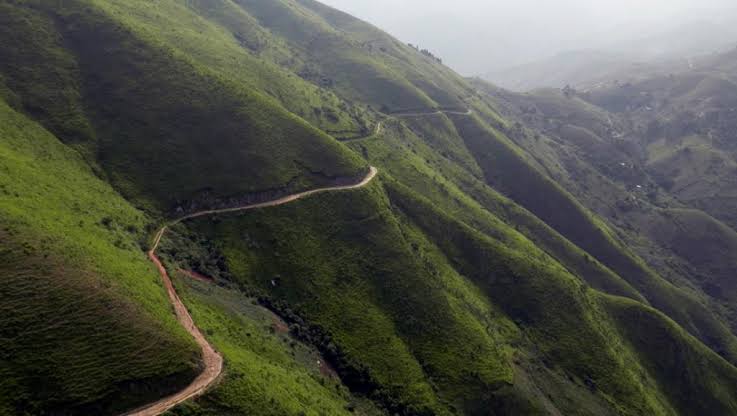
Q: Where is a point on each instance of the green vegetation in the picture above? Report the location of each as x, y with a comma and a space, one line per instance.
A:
316, 253
357, 60
697, 172
155, 110
85, 325
541, 254
269, 371
561, 318
276, 250
456, 190
704, 247
677, 361
507, 170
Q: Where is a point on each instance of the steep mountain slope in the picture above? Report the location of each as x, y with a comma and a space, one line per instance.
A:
85, 324
685, 124
144, 100
473, 275
613, 165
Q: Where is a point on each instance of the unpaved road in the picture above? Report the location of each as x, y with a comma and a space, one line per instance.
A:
432, 113
212, 360
380, 124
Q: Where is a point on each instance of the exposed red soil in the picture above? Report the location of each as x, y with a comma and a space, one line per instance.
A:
211, 359
197, 276
280, 327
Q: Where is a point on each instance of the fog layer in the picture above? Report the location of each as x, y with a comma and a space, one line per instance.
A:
479, 36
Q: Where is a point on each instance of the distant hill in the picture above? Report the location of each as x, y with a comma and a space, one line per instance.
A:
655, 156
568, 68
659, 53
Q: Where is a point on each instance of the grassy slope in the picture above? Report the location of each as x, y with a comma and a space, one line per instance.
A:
357, 60
371, 147
695, 379
685, 365
415, 161
269, 372
155, 109
434, 304
225, 39
705, 244
86, 325
320, 251
544, 300
42, 74
698, 173
317, 250
507, 170
668, 239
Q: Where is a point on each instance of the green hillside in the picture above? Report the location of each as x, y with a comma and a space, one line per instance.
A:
621, 174
517, 254
85, 324
507, 171
152, 110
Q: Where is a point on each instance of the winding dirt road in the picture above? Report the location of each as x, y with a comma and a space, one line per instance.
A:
212, 360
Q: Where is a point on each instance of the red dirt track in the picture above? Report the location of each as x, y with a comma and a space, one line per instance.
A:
212, 360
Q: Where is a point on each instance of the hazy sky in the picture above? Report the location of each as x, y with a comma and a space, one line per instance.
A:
475, 36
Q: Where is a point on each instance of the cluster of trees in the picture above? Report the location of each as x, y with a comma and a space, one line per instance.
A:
355, 376
569, 91
426, 53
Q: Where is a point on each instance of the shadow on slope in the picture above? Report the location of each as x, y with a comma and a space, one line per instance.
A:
507, 170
